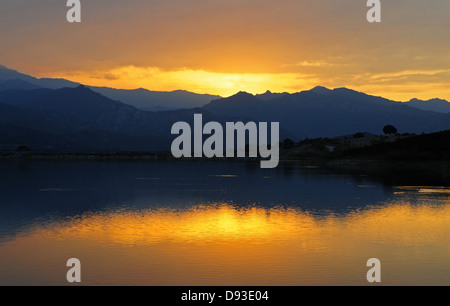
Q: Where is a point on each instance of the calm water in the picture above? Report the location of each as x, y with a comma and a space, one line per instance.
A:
214, 223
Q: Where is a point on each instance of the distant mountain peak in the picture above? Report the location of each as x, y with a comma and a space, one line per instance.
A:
79, 88
320, 90
242, 94
415, 100
345, 89
268, 95
436, 105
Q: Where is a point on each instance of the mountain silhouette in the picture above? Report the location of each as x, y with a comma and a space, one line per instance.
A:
84, 119
160, 100
78, 117
9, 74
147, 100
268, 95
322, 112
140, 98
16, 84
435, 105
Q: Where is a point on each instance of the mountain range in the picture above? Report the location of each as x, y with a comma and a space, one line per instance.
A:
140, 98
57, 114
81, 119
321, 112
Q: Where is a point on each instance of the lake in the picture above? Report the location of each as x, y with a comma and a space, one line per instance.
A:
219, 223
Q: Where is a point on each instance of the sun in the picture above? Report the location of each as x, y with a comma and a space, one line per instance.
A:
198, 81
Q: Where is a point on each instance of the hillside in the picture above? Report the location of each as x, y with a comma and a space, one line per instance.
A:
427, 147
321, 112
84, 119
141, 98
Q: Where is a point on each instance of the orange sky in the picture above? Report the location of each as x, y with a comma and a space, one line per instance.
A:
222, 47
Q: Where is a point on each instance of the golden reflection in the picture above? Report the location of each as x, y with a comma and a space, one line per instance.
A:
401, 223
201, 224
226, 245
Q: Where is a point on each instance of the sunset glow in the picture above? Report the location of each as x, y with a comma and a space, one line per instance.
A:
227, 84
198, 81
222, 47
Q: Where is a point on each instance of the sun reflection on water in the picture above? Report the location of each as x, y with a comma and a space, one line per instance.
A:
227, 245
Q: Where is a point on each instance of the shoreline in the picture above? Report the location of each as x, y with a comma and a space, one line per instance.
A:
323, 162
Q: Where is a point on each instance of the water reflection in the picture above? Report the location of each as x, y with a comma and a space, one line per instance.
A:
222, 244
44, 190
216, 223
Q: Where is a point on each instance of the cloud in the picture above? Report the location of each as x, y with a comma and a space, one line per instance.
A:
111, 76
317, 63
218, 44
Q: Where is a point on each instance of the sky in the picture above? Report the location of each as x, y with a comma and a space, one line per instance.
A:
225, 46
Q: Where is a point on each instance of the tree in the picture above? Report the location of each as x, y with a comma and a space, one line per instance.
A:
389, 130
